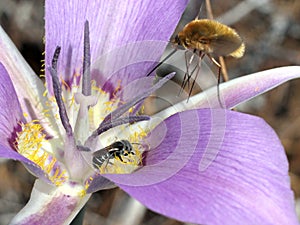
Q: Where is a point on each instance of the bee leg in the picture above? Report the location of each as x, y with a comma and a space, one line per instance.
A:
119, 156
107, 162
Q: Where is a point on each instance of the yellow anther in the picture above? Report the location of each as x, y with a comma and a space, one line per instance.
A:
29, 143
45, 93
65, 84
118, 88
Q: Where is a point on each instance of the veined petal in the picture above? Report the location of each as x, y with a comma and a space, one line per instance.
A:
10, 111
236, 91
247, 87
51, 205
8, 153
121, 33
28, 86
246, 182
11, 125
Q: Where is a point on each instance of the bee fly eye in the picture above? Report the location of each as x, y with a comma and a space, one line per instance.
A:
177, 40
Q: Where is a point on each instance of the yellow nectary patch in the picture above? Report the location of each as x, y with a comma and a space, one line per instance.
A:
29, 143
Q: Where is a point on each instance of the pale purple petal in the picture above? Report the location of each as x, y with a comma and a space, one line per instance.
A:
8, 153
246, 87
28, 86
246, 183
50, 205
10, 111
10, 118
99, 183
122, 33
236, 91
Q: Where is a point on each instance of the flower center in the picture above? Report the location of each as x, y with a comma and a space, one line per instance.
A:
100, 137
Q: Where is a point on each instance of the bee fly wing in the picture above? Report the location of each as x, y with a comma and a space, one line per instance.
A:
225, 46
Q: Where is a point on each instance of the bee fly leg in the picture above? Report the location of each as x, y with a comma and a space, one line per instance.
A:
187, 75
219, 78
194, 81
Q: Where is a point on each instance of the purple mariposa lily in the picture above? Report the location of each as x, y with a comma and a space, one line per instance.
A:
195, 161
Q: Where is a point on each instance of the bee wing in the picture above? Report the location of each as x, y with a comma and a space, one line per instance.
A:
103, 151
99, 153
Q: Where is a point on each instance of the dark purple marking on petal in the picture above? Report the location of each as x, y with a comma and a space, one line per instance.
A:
112, 26
10, 111
113, 117
246, 183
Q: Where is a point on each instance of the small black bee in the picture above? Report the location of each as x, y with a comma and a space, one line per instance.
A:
116, 149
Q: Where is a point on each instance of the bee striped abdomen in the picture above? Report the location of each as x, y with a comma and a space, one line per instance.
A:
99, 160
115, 150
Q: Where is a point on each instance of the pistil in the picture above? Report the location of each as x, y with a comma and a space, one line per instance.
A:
86, 77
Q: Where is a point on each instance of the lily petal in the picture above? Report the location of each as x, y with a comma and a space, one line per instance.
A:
10, 111
50, 205
117, 34
246, 183
28, 86
236, 91
33, 168
247, 87
11, 116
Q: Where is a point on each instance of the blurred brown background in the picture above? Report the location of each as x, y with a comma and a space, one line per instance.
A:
271, 31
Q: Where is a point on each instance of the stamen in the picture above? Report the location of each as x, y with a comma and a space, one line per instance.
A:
108, 125
55, 58
86, 77
57, 93
29, 144
124, 108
